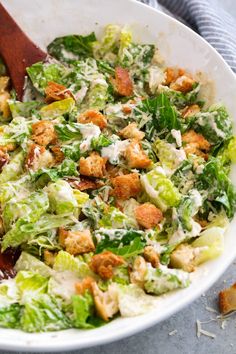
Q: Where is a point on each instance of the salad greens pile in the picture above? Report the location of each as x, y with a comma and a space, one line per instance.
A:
114, 183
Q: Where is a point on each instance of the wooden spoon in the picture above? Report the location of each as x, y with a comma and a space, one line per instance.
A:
17, 50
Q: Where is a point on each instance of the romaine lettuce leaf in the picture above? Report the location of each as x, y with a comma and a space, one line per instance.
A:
23, 231
24, 109
30, 285
115, 219
58, 108
61, 197
10, 316
43, 314
64, 261
215, 125
160, 189
27, 262
83, 309
120, 241
29, 209
72, 47
161, 280
180, 99
13, 169
41, 73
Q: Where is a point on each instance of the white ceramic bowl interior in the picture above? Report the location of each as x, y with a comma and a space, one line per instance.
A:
45, 20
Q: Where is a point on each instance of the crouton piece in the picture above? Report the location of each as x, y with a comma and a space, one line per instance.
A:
151, 256
195, 144
85, 284
183, 257
76, 242
4, 82
43, 133
148, 215
106, 303
56, 92
126, 186
122, 83
183, 84
8, 147
93, 166
126, 109
4, 158
4, 106
135, 156
132, 132
93, 116
139, 269
38, 157
172, 75
84, 183
190, 111
57, 154
103, 264
227, 300
49, 257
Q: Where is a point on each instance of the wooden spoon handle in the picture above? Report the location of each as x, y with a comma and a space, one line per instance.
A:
17, 50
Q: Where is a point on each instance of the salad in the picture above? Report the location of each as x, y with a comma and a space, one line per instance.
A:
114, 183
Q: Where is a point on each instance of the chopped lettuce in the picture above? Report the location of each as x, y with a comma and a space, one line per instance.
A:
61, 197
161, 280
72, 47
23, 231
13, 169
10, 316
83, 309
58, 108
29, 209
27, 262
160, 189
30, 285
43, 314
64, 261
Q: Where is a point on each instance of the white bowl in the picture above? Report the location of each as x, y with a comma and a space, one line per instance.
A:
45, 20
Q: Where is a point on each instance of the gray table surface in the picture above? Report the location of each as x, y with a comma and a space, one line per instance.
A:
178, 335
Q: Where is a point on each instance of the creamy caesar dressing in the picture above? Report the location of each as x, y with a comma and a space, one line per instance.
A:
88, 131
115, 151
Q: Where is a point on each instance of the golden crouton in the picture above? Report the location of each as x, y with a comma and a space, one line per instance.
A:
38, 157
56, 92
227, 300
85, 284
103, 264
4, 106
172, 75
49, 257
106, 303
93, 116
190, 111
148, 215
151, 256
122, 82
126, 186
183, 84
195, 144
4, 81
139, 269
132, 132
43, 132
183, 257
57, 153
135, 156
76, 242
94, 165
8, 147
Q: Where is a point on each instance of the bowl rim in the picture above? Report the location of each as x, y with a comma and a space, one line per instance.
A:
147, 322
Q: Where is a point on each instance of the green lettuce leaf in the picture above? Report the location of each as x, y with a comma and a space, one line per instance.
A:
10, 316
22, 231
83, 309
57, 108
43, 314
72, 47
30, 285
13, 169
61, 197
27, 262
